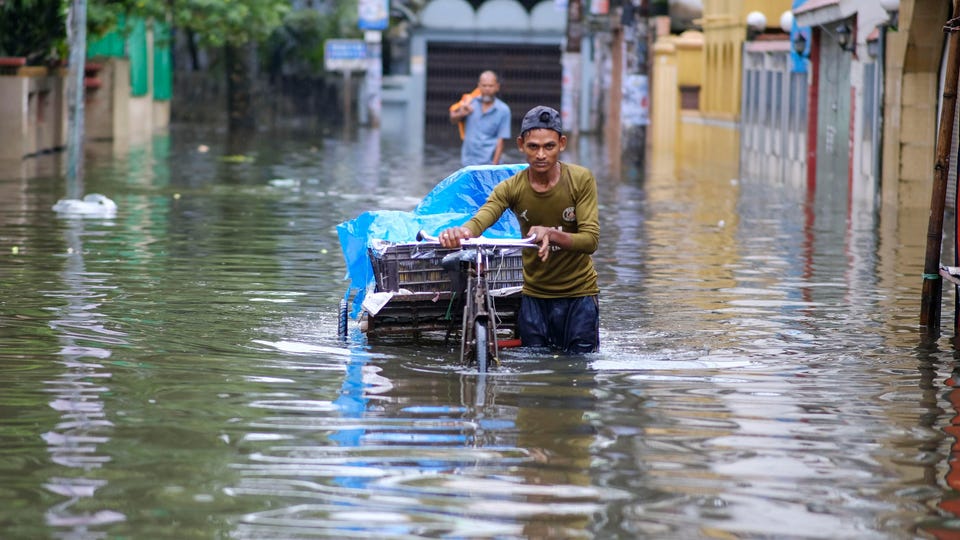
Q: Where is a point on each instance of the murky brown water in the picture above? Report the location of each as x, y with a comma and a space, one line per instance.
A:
174, 372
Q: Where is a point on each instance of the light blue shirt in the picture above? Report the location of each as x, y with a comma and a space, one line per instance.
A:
483, 130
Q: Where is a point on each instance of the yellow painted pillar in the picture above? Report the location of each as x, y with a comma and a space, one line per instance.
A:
665, 108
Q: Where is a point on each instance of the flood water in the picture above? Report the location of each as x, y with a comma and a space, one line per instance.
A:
174, 371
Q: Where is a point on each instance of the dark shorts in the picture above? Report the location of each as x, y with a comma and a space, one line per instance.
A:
569, 324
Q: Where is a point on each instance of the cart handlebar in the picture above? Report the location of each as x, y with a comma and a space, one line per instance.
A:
482, 242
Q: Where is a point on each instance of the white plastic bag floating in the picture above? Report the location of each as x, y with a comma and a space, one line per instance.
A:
93, 205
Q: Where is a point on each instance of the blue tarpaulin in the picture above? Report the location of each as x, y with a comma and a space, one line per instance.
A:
452, 202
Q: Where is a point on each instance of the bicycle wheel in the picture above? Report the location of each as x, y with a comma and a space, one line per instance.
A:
342, 320
480, 345
467, 326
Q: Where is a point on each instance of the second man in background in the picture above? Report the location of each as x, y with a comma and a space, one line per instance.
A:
484, 120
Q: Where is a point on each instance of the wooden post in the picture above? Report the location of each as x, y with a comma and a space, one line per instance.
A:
347, 98
77, 41
932, 291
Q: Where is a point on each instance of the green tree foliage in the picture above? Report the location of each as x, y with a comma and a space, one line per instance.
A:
214, 22
228, 22
33, 29
297, 46
104, 16
36, 29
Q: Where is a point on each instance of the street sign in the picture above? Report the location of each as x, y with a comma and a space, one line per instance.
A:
374, 14
345, 55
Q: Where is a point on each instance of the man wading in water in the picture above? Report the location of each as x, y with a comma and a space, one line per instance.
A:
556, 202
484, 122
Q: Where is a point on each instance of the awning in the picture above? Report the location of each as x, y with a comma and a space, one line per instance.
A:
817, 12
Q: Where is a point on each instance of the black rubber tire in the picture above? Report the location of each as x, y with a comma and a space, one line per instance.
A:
342, 320
480, 345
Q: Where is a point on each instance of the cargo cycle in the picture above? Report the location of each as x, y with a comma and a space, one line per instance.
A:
473, 267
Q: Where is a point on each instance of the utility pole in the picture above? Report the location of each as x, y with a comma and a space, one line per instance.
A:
77, 41
612, 137
635, 111
572, 71
373, 80
373, 19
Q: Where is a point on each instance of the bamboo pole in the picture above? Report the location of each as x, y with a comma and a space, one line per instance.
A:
932, 291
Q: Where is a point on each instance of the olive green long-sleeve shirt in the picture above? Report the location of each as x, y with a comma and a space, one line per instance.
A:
570, 206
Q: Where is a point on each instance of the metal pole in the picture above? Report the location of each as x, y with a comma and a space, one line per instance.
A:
932, 291
373, 79
572, 74
613, 135
77, 41
347, 98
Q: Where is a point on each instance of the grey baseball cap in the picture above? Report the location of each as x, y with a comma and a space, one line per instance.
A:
541, 117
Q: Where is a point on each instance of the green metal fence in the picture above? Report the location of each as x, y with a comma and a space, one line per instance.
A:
162, 63
129, 40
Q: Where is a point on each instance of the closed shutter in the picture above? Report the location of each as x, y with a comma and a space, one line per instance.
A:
530, 75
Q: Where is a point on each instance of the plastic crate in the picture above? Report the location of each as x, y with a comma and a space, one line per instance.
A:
416, 268
506, 270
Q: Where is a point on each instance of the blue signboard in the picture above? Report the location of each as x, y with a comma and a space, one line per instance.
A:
345, 55
374, 14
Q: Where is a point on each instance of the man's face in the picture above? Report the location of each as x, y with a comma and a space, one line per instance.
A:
542, 148
488, 87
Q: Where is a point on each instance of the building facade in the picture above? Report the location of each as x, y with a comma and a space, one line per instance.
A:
451, 42
127, 82
867, 74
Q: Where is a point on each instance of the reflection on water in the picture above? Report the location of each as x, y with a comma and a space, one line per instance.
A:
76, 393
392, 457
174, 372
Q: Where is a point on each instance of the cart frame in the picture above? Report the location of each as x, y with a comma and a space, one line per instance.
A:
425, 298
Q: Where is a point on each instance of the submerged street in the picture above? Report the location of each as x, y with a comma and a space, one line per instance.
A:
175, 372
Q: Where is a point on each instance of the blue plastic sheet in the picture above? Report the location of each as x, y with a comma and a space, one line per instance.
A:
452, 202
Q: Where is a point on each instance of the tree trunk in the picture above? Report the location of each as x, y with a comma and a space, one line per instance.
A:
241, 74
192, 49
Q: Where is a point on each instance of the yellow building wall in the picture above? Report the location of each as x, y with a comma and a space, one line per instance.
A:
770, 9
692, 141
690, 62
911, 103
724, 26
910, 107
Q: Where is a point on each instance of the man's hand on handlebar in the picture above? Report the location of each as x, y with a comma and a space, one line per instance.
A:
450, 238
542, 237
547, 238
